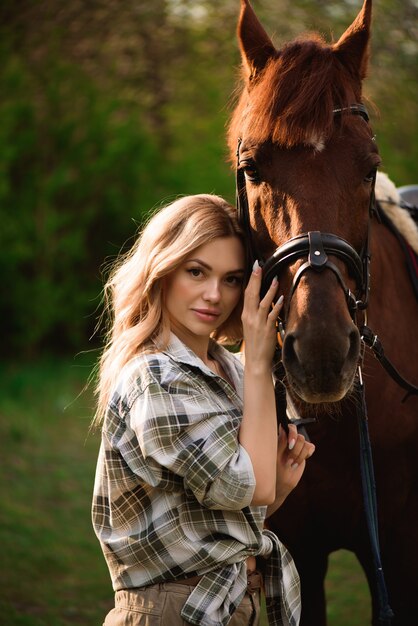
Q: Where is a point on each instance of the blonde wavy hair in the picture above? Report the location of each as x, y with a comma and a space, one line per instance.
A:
133, 293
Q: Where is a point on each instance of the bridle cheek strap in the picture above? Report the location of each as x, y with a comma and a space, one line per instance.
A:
243, 212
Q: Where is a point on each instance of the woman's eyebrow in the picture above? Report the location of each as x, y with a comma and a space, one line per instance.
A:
200, 262
239, 270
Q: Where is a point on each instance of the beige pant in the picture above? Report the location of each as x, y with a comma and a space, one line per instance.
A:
161, 604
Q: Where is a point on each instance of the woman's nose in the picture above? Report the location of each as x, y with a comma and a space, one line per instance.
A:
212, 292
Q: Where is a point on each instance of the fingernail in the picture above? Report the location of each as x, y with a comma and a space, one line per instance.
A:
292, 444
256, 266
280, 300
275, 281
294, 466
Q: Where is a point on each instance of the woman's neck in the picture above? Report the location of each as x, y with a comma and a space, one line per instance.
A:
198, 344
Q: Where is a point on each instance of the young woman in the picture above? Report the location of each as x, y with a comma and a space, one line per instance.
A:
190, 455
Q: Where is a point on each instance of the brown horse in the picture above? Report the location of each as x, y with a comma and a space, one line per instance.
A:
308, 159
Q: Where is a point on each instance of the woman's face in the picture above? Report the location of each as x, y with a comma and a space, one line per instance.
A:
202, 293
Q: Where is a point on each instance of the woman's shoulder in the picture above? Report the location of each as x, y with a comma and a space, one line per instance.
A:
142, 370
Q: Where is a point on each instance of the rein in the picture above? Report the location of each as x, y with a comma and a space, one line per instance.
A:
314, 247
368, 484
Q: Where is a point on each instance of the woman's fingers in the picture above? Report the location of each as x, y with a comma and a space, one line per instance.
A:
301, 451
259, 319
298, 449
292, 436
266, 304
292, 452
274, 313
252, 291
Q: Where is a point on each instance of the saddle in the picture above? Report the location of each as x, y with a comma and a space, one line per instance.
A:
398, 211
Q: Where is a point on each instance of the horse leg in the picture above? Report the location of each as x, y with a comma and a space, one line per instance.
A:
395, 454
399, 557
312, 567
399, 568
365, 559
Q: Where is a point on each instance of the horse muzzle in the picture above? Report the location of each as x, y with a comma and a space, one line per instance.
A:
320, 365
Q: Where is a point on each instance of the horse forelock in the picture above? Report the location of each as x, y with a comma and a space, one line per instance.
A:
293, 99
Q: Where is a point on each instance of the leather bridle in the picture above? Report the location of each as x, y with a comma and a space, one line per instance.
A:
313, 246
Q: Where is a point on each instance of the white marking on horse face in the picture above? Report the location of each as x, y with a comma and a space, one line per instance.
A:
316, 142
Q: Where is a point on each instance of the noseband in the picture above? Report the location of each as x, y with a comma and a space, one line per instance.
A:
313, 246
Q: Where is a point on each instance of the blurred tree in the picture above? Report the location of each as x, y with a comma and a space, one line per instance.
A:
110, 108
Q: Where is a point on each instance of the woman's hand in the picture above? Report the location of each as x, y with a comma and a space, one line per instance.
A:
292, 452
259, 321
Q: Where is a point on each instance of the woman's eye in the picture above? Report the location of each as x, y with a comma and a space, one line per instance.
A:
234, 280
194, 271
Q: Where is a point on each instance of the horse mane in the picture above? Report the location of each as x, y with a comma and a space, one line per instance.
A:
292, 100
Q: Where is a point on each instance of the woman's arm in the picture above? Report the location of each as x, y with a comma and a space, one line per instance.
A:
272, 458
176, 438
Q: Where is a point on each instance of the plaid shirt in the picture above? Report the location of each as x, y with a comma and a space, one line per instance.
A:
173, 488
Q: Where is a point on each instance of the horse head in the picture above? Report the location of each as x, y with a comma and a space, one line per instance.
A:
307, 162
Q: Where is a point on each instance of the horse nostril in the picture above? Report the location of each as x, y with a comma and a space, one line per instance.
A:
354, 345
293, 360
289, 352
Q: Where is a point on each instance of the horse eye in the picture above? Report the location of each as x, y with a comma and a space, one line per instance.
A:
250, 170
370, 176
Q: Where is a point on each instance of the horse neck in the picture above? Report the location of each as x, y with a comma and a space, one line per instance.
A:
393, 308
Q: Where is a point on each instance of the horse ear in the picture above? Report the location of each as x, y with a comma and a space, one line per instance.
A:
353, 46
255, 45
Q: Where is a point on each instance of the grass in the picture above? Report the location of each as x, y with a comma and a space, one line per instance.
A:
52, 571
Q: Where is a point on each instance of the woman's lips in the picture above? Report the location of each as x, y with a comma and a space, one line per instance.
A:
206, 315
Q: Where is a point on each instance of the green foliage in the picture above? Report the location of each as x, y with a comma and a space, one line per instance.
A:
74, 168
81, 166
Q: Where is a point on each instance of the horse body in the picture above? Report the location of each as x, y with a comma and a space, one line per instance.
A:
310, 166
